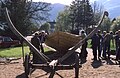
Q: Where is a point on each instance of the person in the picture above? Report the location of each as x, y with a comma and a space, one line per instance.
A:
99, 43
118, 52
102, 43
106, 40
36, 43
84, 47
112, 37
42, 36
94, 43
116, 37
118, 45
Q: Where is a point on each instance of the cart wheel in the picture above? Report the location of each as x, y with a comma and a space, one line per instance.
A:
77, 66
27, 65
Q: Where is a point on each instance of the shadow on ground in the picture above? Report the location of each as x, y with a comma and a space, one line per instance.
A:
96, 63
110, 62
21, 75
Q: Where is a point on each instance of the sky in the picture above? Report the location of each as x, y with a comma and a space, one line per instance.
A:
66, 2
109, 5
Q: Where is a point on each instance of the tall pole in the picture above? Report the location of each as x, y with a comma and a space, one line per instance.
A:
22, 50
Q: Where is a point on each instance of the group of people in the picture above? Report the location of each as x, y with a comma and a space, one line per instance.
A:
101, 43
37, 41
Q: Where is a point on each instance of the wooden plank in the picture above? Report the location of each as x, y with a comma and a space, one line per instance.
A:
58, 67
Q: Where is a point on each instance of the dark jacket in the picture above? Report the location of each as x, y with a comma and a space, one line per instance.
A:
36, 42
95, 40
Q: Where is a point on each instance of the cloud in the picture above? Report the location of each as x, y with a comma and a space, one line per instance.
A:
113, 7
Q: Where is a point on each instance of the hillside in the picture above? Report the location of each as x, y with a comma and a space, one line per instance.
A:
112, 6
56, 8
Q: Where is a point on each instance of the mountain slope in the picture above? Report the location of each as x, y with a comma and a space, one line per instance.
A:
56, 8
112, 6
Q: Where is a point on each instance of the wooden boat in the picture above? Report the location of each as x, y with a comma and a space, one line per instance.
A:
62, 41
59, 41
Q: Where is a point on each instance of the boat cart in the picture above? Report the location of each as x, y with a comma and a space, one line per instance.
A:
51, 62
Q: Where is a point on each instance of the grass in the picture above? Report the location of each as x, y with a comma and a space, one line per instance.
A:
112, 47
15, 52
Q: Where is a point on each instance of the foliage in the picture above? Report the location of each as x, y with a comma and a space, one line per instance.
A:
98, 10
63, 21
78, 16
116, 25
106, 24
45, 27
81, 14
24, 14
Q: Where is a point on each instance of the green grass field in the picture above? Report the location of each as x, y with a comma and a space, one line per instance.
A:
112, 47
15, 52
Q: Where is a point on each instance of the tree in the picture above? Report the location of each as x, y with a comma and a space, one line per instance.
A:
81, 14
97, 10
106, 24
75, 13
87, 15
45, 27
25, 13
116, 25
62, 21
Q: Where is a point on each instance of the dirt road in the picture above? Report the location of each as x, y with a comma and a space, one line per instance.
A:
90, 69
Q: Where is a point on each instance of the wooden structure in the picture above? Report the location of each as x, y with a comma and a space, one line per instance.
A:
62, 41
52, 63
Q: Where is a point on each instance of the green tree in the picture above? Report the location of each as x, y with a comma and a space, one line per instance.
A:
75, 14
63, 21
116, 25
106, 24
45, 27
98, 11
25, 13
81, 14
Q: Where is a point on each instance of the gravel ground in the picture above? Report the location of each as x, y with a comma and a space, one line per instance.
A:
90, 69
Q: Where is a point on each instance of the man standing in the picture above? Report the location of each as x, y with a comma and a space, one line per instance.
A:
84, 47
99, 43
106, 40
42, 36
36, 43
95, 44
118, 46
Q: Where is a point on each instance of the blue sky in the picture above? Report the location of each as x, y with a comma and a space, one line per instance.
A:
108, 4
66, 2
